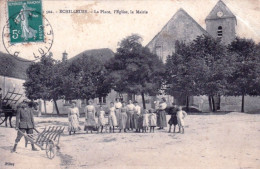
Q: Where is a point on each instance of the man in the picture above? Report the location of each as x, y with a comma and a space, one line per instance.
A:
24, 122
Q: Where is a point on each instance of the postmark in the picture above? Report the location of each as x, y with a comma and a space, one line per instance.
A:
27, 33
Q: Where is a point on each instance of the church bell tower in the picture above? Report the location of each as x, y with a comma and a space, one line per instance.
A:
221, 23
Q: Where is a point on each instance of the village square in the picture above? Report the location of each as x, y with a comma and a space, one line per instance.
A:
184, 96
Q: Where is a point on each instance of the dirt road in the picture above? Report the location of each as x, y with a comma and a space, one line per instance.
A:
228, 141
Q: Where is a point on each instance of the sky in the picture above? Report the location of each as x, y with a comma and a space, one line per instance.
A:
77, 32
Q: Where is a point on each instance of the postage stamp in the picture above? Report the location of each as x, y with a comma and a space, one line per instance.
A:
27, 33
26, 23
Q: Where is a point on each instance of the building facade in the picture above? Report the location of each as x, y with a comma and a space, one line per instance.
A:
220, 23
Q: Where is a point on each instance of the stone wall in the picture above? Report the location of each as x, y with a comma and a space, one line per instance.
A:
228, 29
230, 103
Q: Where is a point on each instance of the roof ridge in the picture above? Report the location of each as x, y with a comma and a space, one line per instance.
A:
178, 11
93, 50
15, 57
89, 52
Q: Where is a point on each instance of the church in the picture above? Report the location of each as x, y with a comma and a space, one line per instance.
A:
220, 23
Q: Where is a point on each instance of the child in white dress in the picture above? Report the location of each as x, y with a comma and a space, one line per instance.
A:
112, 121
152, 120
101, 119
145, 121
180, 117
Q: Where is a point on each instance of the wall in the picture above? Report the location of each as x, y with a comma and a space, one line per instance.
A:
228, 29
7, 83
181, 27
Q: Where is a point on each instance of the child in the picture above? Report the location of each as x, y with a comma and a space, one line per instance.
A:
101, 119
173, 120
152, 120
112, 121
145, 120
180, 116
140, 123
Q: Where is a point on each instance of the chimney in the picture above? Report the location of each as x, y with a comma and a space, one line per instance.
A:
64, 56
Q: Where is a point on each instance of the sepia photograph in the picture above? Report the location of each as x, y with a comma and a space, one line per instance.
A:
127, 84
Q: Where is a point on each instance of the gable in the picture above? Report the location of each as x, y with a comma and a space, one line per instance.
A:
220, 7
181, 27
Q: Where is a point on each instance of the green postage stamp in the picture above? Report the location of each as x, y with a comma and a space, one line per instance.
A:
25, 21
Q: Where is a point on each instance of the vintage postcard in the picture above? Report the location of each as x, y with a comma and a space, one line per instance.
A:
148, 84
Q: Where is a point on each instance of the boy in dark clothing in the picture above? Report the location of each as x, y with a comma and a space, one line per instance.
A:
173, 120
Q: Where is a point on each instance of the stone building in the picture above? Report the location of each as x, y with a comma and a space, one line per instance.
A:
181, 27
220, 23
12, 74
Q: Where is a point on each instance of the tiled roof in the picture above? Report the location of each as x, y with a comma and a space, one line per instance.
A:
103, 54
12, 66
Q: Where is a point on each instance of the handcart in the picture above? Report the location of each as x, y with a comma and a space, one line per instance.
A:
7, 105
47, 140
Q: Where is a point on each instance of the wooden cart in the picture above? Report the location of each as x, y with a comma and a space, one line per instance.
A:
47, 140
7, 106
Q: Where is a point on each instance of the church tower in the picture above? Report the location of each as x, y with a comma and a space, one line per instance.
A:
221, 23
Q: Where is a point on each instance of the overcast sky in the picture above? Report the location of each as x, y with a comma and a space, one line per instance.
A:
78, 32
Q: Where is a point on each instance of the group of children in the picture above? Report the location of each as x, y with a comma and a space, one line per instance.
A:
177, 118
125, 117
141, 122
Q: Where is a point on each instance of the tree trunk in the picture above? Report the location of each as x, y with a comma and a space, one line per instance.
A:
243, 103
187, 103
213, 104
210, 103
143, 100
56, 106
45, 109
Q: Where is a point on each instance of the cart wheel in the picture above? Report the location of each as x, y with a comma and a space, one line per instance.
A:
1, 116
50, 149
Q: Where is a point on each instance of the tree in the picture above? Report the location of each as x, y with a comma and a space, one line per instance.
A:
179, 76
42, 81
134, 69
85, 78
215, 67
246, 72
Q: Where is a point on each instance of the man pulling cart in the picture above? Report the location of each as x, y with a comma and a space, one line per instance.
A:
24, 123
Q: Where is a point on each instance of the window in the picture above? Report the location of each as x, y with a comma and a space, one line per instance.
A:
220, 32
102, 100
